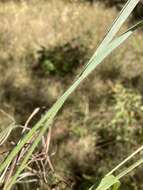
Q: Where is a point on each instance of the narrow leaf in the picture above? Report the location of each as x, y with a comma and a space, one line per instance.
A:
107, 182
55, 108
119, 21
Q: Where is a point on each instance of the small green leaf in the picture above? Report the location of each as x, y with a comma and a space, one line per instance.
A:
48, 66
116, 186
107, 182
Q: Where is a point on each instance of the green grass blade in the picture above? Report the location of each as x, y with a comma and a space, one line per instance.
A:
37, 126
110, 47
108, 182
129, 169
126, 160
53, 111
102, 52
10, 183
119, 21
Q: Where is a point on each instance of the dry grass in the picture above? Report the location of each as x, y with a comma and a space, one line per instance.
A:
25, 27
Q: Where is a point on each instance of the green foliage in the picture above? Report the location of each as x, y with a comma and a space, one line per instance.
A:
128, 107
128, 110
62, 60
79, 131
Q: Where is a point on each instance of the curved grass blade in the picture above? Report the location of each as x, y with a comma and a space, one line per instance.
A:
55, 108
130, 168
125, 160
130, 5
4, 133
118, 41
119, 21
108, 182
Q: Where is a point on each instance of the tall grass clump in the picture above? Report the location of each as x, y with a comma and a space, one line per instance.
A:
35, 134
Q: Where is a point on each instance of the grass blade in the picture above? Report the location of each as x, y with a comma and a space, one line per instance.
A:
119, 21
53, 111
129, 169
108, 182
106, 47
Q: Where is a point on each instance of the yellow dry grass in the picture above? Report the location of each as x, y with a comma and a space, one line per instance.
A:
27, 26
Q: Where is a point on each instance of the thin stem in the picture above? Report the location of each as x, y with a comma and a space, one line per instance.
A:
125, 160
129, 169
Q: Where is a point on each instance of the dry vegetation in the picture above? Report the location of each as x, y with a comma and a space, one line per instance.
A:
102, 122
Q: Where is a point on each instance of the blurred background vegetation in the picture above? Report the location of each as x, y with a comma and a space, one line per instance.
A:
43, 46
